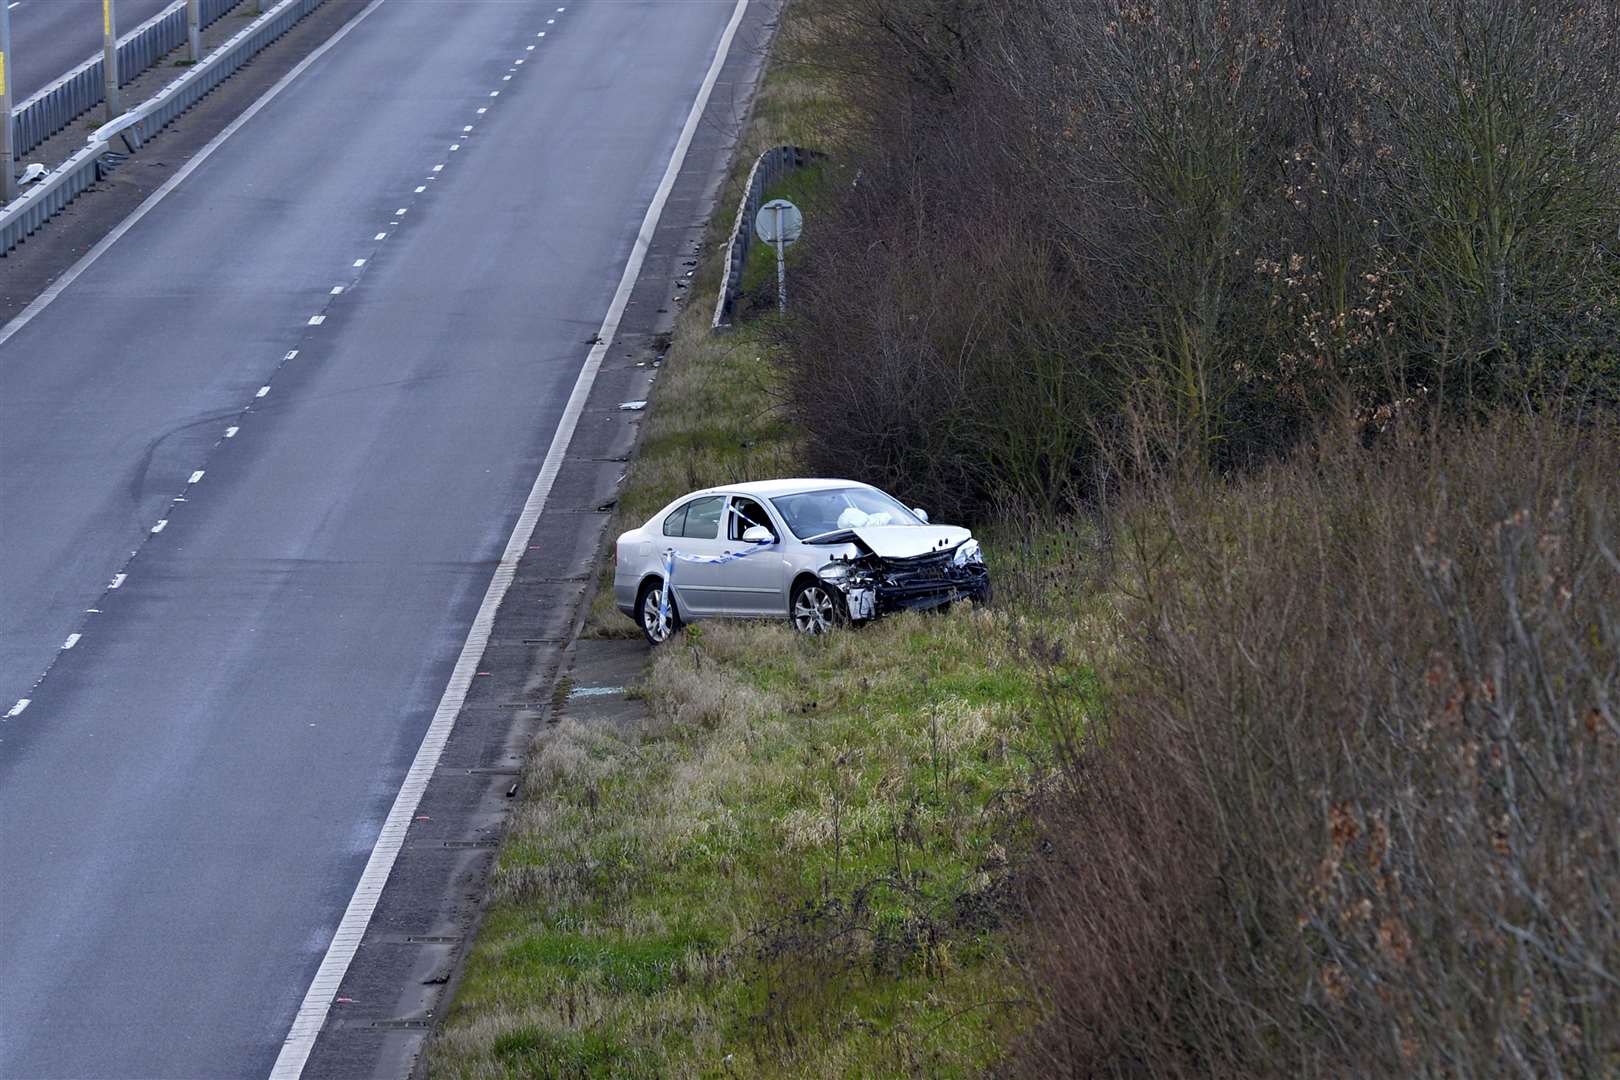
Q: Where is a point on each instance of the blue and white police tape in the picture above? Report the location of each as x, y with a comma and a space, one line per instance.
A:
671, 556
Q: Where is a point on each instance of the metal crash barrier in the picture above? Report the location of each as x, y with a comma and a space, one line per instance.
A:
46, 198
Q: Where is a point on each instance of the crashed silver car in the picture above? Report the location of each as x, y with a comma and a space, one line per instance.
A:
819, 552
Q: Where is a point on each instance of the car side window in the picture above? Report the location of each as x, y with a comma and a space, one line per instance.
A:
703, 518
675, 524
744, 514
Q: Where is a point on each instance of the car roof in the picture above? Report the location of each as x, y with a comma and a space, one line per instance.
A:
769, 488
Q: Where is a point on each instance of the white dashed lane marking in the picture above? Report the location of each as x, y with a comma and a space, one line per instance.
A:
196, 476
357, 263
316, 320
263, 390
72, 640
292, 353
230, 432
380, 236
160, 526
118, 581
16, 710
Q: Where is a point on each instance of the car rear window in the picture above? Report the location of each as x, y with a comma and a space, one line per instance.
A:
696, 520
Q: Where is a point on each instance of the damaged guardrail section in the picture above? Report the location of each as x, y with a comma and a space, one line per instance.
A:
46, 198
82, 89
770, 167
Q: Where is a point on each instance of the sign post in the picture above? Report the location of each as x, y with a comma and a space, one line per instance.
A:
109, 59
8, 164
779, 222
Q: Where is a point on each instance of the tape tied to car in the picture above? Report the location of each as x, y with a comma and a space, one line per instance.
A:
671, 557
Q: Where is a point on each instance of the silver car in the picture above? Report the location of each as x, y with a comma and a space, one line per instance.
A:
819, 552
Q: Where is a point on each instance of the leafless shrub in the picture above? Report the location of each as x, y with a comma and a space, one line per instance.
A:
1354, 809
1252, 211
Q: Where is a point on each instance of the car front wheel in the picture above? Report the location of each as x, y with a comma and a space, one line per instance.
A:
659, 626
815, 608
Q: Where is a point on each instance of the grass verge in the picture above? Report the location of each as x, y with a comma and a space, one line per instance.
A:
798, 864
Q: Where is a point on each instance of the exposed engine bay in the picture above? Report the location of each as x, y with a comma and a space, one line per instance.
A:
877, 581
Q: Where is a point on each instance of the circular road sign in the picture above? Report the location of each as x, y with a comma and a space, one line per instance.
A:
765, 221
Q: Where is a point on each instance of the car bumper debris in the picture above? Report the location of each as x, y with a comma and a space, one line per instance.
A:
874, 586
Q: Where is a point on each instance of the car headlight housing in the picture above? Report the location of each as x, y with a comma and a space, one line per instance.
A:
834, 571
967, 554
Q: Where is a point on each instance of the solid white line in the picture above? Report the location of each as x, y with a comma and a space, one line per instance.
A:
323, 988
230, 432
196, 476
45, 298
72, 640
161, 525
16, 710
118, 581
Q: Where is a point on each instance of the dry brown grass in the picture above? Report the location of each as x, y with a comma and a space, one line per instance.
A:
1354, 809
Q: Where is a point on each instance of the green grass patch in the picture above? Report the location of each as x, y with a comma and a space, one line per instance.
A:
798, 866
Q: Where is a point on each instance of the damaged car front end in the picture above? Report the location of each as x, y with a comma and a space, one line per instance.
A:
876, 580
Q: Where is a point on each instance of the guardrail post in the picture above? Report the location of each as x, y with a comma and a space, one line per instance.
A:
109, 59
8, 164
194, 30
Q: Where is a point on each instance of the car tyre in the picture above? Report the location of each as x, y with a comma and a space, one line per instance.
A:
656, 630
816, 607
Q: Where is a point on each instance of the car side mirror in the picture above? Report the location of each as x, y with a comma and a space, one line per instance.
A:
758, 534
921, 514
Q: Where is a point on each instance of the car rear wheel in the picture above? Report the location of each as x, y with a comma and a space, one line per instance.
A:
815, 607
659, 626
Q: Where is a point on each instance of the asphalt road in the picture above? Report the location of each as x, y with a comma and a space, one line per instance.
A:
192, 791
49, 37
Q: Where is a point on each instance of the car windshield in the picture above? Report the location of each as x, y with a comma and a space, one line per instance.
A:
812, 513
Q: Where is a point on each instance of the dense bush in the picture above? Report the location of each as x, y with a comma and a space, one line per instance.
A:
1245, 209
1355, 808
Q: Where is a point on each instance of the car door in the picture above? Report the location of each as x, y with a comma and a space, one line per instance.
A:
754, 585
694, 528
